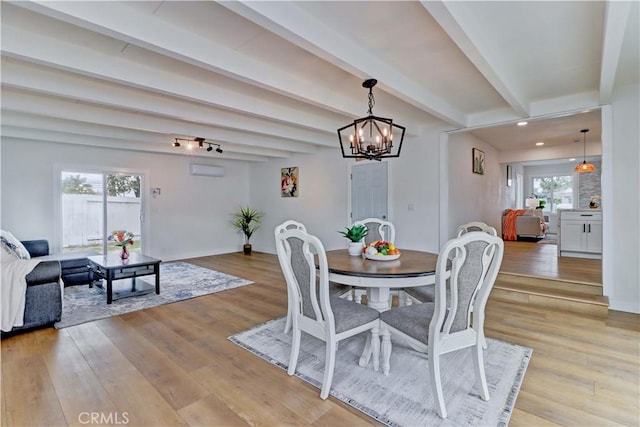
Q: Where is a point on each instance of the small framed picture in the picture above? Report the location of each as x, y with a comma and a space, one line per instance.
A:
289, 185
509, 176
478, 161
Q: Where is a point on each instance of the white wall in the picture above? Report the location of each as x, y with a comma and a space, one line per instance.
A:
323, 201
474, 197
624, 263
190, 218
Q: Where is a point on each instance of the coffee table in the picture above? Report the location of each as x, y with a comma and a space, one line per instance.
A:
120, 274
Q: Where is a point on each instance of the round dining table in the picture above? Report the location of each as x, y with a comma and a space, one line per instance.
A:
412, 268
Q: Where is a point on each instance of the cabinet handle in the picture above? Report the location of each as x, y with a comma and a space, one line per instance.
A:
584, 228
589, 228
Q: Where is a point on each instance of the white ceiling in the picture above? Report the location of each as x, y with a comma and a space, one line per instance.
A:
270, 79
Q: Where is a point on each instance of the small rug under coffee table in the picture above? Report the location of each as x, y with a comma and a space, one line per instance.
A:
403, 398
178, 281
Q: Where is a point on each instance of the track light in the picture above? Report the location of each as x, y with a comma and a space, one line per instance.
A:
200, 141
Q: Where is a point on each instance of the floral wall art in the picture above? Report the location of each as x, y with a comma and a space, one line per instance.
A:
289, 186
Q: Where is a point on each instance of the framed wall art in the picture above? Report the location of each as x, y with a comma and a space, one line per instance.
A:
478, 161
509, 176
289, 185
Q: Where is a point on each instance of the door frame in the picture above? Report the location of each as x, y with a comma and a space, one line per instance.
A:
350, 165
56, 244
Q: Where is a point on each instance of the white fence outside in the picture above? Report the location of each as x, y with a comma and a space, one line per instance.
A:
82, 218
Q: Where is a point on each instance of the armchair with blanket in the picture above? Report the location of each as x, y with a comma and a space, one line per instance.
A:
518, 223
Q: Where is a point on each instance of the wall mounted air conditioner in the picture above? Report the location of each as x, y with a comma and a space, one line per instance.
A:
206, 170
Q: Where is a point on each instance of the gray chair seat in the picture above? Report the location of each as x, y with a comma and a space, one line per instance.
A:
413, 320
422, 293
349, 315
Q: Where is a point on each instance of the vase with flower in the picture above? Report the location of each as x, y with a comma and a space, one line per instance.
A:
123, 239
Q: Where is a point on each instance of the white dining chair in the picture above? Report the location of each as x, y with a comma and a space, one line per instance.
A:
377, 229
335, 289
422, 294
455, 320
314, 311
476, 226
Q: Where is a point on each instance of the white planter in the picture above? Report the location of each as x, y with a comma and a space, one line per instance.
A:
355, 248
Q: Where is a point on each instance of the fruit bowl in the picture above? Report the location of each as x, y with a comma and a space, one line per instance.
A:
381, 251
381, 257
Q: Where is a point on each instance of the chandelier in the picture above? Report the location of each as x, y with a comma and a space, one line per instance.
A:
371, 137
584, 166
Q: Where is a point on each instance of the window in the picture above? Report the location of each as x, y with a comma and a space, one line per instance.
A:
556, 191
95, 204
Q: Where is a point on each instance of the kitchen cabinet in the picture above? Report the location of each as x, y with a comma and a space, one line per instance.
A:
580, 234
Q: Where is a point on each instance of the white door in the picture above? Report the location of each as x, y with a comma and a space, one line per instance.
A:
369, 186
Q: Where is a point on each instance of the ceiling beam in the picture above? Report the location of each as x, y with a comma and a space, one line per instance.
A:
57, 83
615, 23
295, 25
34, 48
467, 33
116, 20
29, 103
92, 132
10, 132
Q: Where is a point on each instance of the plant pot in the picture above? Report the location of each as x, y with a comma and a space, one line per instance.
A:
247, 248
355, 248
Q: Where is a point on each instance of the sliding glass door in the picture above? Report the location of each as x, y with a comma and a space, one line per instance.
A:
93, 205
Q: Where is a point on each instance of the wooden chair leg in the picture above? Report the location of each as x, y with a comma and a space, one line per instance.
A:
330, 363
295, 350
436, 384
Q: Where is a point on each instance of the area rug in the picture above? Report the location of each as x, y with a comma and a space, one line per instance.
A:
403, 398
178, 281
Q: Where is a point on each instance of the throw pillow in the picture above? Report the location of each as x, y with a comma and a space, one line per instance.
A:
7, 255
14, 245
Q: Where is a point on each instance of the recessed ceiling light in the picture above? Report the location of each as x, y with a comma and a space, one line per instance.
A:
522, 123
573, 159
540, 143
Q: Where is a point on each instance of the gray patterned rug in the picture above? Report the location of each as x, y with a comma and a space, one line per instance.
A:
403, 398
178, 281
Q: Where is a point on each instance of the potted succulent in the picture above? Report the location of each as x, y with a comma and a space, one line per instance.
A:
355, 234
247, 221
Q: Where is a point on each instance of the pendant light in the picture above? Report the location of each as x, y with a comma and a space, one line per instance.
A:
371, 137
584, 166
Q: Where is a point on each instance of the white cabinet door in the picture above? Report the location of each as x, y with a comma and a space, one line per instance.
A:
572, 236
594, 237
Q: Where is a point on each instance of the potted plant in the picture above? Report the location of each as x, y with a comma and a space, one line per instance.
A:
355, 234
247, 221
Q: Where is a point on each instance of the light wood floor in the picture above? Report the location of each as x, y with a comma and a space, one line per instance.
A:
173, 365
539, 259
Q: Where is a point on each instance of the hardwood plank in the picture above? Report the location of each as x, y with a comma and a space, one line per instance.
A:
161, 373
173, 364
77, 386
30, 394
211, 411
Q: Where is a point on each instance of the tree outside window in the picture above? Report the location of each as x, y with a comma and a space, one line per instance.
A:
557, 191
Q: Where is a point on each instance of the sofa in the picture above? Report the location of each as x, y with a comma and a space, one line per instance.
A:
43, 299
43, 304
74, 265
519, 224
